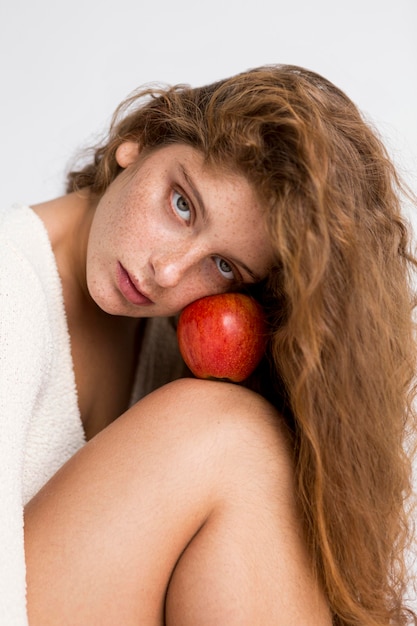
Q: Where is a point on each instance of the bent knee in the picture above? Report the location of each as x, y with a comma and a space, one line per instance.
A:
231, 427
210, 398
216, 406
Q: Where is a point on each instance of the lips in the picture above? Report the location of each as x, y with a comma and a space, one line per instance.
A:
129, 289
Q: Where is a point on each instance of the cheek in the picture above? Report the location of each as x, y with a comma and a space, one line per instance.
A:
113, 231
199, 283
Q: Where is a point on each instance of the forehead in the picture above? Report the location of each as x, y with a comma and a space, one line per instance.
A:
221, 178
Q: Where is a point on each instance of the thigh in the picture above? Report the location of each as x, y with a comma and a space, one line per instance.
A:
167, 500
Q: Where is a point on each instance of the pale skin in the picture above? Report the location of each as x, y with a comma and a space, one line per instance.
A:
181, 511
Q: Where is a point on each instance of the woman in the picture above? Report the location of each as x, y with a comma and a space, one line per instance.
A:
279, 502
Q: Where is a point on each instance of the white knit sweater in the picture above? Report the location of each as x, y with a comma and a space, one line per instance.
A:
40, 420
40, 425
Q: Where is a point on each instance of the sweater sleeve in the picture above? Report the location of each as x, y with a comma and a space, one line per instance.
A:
24, 350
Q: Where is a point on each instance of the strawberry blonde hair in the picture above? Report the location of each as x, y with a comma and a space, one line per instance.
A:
341, 356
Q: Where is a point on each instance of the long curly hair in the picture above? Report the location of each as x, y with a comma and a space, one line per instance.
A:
341, 356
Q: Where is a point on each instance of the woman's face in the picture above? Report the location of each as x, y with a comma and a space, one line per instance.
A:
170, 230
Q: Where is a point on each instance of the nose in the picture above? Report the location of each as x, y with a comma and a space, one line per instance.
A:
170, 267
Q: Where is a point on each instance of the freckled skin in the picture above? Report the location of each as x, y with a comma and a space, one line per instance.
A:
172, 260
173, 225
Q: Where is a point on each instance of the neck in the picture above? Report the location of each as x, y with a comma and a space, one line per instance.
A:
68, 221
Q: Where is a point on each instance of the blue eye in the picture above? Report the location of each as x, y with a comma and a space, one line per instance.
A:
224, 268
181, 206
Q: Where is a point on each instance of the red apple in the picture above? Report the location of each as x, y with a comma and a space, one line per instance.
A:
222, 336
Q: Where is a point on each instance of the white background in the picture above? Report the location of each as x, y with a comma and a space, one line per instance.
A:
64, 67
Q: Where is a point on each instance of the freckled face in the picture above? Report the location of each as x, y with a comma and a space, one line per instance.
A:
170, 230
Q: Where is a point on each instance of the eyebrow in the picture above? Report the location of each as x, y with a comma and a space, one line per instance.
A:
256, 277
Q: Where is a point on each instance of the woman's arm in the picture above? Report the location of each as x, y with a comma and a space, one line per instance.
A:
181, 512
